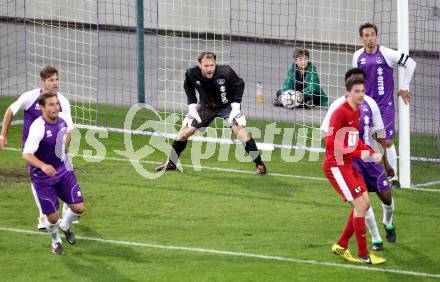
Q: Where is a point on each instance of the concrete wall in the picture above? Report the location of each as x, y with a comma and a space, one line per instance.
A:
329, 21
277, 19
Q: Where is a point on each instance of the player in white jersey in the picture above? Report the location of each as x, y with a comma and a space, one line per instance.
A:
378, 61
28, 103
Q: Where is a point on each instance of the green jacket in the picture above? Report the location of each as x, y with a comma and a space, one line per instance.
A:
313, 85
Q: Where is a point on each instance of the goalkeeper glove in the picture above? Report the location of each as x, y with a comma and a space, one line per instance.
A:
192, 114
236, 114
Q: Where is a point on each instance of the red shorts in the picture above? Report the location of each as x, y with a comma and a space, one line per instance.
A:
345, 179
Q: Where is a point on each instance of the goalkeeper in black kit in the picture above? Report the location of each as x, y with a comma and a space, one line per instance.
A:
220, 92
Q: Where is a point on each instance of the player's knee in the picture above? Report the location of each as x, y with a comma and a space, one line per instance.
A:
184, 134
241, 133
387, 201
52, 218
79, 209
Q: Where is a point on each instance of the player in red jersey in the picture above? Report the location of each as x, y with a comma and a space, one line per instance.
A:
342, 144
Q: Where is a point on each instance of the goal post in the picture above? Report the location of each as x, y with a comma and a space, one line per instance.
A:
404, 110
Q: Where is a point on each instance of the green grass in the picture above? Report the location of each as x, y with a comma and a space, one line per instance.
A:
230, 211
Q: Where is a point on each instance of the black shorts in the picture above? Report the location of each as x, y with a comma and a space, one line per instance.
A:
207, 115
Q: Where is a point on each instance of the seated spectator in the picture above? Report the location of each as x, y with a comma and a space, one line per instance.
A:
303, 77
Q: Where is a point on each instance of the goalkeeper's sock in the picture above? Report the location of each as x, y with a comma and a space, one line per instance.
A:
53, 230
392, 158
370, 221
252, 150
68, 218
178, 147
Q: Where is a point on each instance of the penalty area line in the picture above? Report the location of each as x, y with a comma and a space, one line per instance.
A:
236, 254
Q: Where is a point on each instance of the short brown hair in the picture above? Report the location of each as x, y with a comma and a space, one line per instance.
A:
367, 25
354, 71
47, 72
46, 95
301, 53
208, 55
352, 81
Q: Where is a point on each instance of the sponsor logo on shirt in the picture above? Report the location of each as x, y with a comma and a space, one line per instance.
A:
379, 60
357, 190
363, 61
366, 130
37, 107
380, 82
49, 133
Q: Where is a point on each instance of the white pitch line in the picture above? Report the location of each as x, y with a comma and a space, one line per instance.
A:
196, 166
413, 188
237, 254
427, 183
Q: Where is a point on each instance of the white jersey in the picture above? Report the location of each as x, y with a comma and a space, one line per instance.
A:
27, 99
28, 102
38, 130
375, 113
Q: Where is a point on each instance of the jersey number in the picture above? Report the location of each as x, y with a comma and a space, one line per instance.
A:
352, 139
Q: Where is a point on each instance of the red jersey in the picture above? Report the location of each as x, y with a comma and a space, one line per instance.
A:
342, 141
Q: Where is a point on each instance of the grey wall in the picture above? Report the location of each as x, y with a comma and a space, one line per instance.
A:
331, 21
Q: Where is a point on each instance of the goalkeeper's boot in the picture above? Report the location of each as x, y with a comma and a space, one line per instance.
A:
261, 169
166, 166
70, 237
394, 182
377, 245
57, 248
41, 226
371, 259
344, 253
391, 233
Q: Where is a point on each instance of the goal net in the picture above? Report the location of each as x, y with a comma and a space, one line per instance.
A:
94, 46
